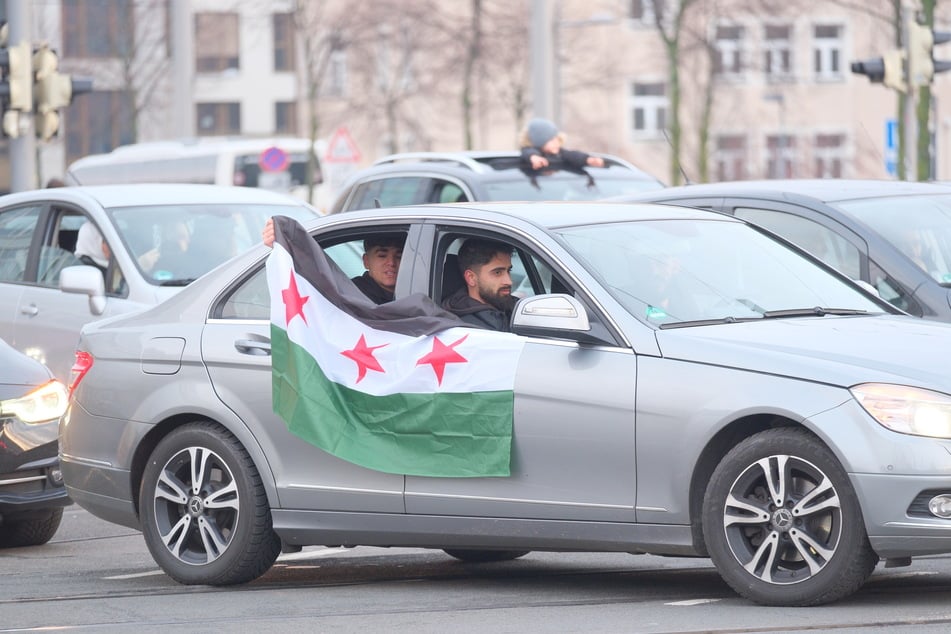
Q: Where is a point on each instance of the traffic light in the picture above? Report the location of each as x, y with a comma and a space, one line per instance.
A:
16, 85
53, 90
921, 64
889, 69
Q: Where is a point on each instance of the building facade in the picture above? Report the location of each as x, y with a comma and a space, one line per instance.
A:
765, 87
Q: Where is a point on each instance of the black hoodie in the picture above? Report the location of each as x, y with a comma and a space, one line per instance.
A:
475, 312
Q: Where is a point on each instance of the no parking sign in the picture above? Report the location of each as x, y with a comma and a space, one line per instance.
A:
273, 159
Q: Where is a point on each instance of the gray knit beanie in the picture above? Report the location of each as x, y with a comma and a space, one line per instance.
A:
541, 131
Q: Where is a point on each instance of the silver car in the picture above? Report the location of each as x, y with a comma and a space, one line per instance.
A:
688, 386
161, 237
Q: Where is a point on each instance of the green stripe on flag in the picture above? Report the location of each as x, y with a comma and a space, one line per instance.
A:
438, 434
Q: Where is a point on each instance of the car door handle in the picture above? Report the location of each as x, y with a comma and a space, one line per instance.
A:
30, 310
253, 347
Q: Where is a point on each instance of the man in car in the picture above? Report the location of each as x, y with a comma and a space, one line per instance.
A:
485, 300
381, 258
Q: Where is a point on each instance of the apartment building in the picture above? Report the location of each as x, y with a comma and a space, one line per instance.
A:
765, 87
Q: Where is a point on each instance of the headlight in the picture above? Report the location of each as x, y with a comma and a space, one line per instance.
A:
42, 404
908, 410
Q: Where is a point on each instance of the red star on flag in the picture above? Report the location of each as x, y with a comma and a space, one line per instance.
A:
441, 355
362, 355
293, 302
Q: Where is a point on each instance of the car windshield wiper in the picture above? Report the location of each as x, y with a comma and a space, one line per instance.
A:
816, 311
181, 281
707, 322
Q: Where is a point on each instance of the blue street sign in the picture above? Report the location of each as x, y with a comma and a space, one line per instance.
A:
891, 147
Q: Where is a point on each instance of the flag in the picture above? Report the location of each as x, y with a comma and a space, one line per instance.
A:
403, 387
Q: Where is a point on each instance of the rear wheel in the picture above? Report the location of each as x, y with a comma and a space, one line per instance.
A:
205, 515
484, 556
30, 529
782, 523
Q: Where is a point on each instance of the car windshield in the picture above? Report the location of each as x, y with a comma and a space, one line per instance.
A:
919, 226
569, 186
686, 271
174, 245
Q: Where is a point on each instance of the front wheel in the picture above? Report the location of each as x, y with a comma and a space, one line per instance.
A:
205, 514
782, 523
30, 529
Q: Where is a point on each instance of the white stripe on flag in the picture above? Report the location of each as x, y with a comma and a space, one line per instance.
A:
480, 360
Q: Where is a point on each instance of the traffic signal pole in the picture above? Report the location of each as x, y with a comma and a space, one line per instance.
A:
909, 135
23, 146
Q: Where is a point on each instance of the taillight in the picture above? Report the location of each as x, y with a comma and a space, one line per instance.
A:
79, 369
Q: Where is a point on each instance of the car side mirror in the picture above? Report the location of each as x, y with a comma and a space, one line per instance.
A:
551, 312
85, 280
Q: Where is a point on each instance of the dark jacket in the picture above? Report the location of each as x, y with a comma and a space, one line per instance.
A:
371, 289
571, 160
476, 313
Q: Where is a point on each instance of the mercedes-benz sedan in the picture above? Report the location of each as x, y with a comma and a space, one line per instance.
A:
686, 385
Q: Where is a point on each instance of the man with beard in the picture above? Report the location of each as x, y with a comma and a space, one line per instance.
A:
486, 298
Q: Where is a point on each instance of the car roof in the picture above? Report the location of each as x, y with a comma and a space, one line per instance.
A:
826, 190
133, 195
545, 214
489, 165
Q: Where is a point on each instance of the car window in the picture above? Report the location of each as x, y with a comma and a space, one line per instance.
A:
390, 192
891, 291
16, 234
250, 299
815, 238
447, 192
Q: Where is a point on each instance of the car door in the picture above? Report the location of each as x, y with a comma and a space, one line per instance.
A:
573, 437
17, 231
47, 320
236, 350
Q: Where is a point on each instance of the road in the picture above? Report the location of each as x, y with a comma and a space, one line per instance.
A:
95, 576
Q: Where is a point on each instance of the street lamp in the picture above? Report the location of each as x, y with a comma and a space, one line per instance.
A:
545, 25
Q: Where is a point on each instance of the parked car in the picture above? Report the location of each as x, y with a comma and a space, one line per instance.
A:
893, 235
44, 299
32, 494
416, 178
757, 408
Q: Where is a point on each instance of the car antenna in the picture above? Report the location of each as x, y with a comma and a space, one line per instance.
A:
687, 180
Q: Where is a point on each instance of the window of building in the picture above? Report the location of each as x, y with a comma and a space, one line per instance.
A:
729, 51
780, 155
827, 52
644, 11
829, 155
285, 117
731, 157
335, 82
218, 118
98, 122
649, 105
284, 51
97, 28
777, 62
216, 42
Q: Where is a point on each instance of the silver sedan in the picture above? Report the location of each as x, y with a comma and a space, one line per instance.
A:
687, 386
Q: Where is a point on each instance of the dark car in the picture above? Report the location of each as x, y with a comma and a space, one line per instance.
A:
32, 494
447, 177
893, 235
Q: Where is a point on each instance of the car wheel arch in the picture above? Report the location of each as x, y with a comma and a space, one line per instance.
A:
163, 428
713, 452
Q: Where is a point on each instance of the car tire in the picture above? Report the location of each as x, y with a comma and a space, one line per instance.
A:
31, 529
782, 523
204, 510
484, 556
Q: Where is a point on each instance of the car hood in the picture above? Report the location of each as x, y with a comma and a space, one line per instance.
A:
19, 373
836, 350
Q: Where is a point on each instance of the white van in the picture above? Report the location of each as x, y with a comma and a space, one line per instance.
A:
277, 164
